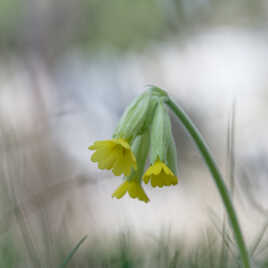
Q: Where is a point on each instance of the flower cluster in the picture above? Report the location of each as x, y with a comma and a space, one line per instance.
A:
144, 129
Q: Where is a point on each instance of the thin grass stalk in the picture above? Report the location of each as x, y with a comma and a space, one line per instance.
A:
223, 191
72, 252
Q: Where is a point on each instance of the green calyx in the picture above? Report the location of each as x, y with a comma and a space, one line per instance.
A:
162, 142
158, 92
172, 155
140, 148
139, 115
134, 117
150, 114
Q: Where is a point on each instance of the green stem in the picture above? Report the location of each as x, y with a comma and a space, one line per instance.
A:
193, 131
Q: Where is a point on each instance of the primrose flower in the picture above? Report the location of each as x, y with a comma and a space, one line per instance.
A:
163, 156
114, 154
134, 190
132, 183
160, 175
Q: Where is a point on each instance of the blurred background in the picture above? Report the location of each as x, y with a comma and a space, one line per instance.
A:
68, 69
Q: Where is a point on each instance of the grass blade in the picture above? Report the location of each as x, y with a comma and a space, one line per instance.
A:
73, 251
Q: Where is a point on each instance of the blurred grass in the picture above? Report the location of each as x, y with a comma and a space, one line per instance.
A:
123, 251
22, 245
117, 25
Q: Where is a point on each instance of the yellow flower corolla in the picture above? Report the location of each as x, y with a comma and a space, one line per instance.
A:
114, 154
134, 189
160, 175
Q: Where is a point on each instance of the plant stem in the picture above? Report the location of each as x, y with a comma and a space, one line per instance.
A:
201, 144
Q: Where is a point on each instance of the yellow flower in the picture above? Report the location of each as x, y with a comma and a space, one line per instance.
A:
160, 175
134, 189
114, 154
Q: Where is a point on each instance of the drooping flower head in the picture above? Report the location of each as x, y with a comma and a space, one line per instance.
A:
116, 154
132, 183
145, 123
162, 171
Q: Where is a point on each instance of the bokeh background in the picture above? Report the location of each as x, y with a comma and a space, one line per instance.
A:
68, 69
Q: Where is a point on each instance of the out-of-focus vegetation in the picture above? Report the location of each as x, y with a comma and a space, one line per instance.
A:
53, 26
214, 249
48, 199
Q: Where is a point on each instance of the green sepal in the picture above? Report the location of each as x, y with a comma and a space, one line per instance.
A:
140, 148
172, 158
172, 149
160, 134
150, 114
158, 92
134, 117
163, 146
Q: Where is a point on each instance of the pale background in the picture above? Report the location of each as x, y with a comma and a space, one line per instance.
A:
68, 69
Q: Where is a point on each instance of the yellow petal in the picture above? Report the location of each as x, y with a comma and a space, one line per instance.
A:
101, 154
123, 143
101, 144
146, 179
167, 170
121, 190
134, 190
154, 169
129, 163
114, 154
118, 166
164, 177
107, 163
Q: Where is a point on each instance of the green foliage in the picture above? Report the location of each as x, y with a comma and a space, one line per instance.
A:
9, 256
118, 25
10, 17
124, 24
213, 250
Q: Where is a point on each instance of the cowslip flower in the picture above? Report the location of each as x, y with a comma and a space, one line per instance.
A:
132, 183
162, 171
160, 175
116, 154
134, 190
145, 123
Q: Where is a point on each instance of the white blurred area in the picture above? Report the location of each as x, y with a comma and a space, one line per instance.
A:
57, 113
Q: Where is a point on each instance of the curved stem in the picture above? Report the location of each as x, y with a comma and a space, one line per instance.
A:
199, 141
